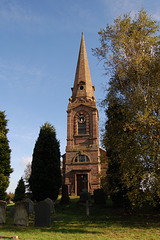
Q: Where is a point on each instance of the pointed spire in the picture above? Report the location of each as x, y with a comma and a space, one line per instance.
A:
82, 83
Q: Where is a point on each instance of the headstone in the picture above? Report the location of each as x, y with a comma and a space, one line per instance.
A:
8, 200
42, 214
3, 205
30, 205
65, 197
12, 210
51, 205
21, 213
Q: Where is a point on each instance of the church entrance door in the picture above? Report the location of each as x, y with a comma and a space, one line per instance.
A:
82, 183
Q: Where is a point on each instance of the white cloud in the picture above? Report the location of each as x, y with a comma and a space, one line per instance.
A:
156, 17
20, 75
25, 161
118, 7
12, 11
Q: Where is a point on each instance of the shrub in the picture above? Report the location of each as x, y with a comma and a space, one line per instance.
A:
99, 196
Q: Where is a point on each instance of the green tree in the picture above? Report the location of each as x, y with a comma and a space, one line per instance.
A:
130, 49
124, 174
19, 191
5, 167
45, 179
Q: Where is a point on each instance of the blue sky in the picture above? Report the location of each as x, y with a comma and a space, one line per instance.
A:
39, 45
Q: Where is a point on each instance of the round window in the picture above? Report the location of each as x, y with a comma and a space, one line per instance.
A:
81, 87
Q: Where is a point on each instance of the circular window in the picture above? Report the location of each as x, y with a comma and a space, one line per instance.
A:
81, 87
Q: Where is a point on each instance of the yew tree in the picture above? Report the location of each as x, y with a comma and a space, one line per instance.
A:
5, 167
130, 50
45, 179
19, 191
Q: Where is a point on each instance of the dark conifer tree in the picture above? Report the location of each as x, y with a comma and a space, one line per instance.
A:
45, 179
20, 191
5, 167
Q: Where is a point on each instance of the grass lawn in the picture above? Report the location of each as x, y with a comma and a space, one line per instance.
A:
105, 222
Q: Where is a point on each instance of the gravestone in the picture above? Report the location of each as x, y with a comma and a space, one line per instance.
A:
42, 214
8, 200
51, 205
65, 197
12, 212
3, 205
30, 205
21, 213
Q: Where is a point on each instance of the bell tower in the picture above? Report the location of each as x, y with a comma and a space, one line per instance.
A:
81, 163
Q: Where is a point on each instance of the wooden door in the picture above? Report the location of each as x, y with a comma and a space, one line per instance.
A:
82, 183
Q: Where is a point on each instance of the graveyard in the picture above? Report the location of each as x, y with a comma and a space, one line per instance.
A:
93, 191
69, 221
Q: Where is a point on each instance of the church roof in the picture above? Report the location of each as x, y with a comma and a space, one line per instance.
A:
82, 83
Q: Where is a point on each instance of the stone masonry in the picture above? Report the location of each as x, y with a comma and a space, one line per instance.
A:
82, 157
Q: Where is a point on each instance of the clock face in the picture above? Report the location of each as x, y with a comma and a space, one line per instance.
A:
81, 119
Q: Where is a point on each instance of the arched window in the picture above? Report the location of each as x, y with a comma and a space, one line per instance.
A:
81, 124
81, 159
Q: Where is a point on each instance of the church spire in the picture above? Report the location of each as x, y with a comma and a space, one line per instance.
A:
82, 84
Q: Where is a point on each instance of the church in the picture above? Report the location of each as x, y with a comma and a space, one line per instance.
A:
82, 160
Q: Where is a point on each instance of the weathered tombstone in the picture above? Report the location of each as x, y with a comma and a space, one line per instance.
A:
51, 205
65, 197
42, 214
8, 200
30, 205
3, 205
12, 210
21, 213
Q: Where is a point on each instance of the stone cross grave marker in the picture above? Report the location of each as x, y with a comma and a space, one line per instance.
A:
87, 196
